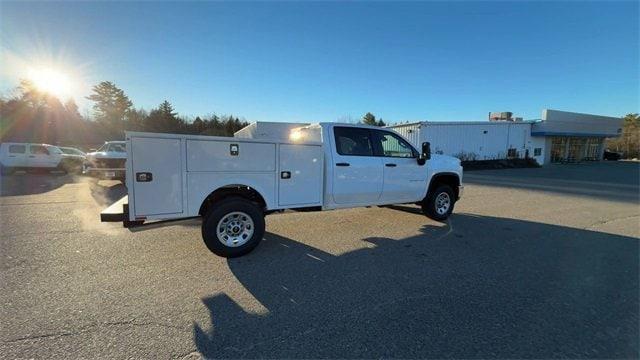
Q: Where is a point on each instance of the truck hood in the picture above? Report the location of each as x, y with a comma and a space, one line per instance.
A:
444, 163
106, 155
73, 156
445, 159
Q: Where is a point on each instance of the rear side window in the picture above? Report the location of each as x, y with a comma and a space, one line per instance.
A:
17, 149
353, 141
39, 149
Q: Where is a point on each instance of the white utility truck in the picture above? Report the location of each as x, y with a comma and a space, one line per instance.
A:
232, 183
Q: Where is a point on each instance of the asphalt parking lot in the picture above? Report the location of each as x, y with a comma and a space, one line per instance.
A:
534, 263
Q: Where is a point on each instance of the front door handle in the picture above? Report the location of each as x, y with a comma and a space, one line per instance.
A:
390, 165
32, 156
342, 164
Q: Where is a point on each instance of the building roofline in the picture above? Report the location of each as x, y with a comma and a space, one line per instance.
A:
473, 122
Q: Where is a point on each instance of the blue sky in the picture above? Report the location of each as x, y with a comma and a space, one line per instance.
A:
334, 61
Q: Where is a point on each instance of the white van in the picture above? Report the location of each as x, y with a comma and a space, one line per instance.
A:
21, 156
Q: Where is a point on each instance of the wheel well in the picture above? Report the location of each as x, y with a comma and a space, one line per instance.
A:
445, 179
244, 191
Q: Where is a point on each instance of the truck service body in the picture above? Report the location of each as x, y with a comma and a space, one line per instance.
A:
233, 182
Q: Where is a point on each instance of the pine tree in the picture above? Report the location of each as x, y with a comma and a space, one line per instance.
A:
369, 119
111, 107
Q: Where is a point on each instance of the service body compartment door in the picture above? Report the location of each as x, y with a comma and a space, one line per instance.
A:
300, 177
228, 156
157, 176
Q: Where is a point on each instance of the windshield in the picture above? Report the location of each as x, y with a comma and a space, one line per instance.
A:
117, 147
71, 151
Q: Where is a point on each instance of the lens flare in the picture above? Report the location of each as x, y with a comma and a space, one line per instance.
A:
51, 81
295, 135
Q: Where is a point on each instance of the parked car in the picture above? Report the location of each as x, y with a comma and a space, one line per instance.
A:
233, 182
612, 155
24, 156
108, 161
72, 151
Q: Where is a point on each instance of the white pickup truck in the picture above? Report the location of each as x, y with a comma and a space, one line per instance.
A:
232, 182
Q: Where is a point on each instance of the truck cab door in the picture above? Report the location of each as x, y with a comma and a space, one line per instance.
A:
15, 155
404, 179
38, 156
357, 172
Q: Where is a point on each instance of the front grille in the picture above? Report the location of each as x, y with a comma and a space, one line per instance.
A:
110, 163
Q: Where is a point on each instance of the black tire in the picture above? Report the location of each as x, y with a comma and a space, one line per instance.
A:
430, 208
226, 207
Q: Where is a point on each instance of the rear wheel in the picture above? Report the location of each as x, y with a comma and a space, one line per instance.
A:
233, 227
438, 204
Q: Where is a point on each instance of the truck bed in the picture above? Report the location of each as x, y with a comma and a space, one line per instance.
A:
170, 175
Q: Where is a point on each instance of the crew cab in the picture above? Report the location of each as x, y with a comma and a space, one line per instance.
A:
108, 161
25, 156
233, 182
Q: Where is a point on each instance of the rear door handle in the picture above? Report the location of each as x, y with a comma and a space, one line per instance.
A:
342, 164
32, 156
390, 165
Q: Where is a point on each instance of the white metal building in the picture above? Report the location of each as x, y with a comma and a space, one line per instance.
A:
559, 137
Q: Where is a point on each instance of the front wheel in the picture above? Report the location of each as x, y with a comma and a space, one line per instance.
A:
438, 204
233, 227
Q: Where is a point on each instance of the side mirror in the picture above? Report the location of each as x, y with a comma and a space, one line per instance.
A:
426, 153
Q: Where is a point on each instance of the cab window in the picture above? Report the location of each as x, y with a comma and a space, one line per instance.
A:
38, 150
353, 141
392, 145
17, 149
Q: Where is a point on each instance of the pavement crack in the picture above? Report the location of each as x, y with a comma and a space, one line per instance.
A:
603, 222
94, 327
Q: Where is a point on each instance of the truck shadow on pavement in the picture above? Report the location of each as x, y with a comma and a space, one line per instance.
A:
481, 287
33, 183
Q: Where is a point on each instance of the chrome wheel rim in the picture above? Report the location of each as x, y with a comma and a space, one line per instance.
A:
235, 229
443, 203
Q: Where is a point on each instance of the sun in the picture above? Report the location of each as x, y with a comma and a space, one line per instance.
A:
51, 81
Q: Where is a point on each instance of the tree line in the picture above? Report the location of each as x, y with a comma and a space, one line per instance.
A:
32, 115
628, 143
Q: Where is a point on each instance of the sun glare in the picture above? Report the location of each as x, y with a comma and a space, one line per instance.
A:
52, 81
